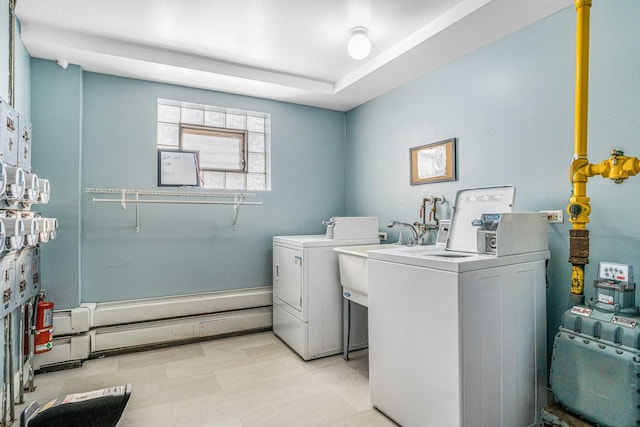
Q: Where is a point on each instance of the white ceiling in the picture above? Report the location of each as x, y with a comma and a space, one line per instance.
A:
288, 50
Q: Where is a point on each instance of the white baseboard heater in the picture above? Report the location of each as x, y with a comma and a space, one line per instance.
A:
99, 328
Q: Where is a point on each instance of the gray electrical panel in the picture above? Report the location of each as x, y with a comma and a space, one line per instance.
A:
24, 143
8, 270
21, 231
8, 134
35, 272
28, 271
23, 275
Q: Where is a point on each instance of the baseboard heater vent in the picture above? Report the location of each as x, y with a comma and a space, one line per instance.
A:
69, 351
116, 338
101, 328
132, 311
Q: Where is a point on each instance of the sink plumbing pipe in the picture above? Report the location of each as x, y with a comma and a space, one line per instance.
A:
433, 222
618, 167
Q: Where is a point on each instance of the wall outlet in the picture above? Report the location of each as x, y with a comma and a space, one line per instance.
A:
382, 236
555, 217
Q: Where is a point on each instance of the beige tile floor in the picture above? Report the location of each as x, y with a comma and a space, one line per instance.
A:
249, 380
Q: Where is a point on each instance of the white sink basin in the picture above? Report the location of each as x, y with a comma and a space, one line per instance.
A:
353, 271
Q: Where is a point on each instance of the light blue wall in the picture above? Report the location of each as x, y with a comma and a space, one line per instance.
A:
4, 49
511, 107
180, 249
57, 133
23, 77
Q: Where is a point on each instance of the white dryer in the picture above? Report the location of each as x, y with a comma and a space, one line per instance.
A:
307, 294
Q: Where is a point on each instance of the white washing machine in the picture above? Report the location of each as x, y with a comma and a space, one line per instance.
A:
307, 294
459, 338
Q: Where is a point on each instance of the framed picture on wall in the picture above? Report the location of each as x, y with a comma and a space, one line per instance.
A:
178, 168
434, 162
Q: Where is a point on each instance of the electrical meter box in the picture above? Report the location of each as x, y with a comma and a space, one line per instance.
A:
29, 262
34, 268
8, 134
24, 276
24, 143
7, 281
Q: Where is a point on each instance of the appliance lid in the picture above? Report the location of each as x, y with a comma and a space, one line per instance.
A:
318, 240
470, 204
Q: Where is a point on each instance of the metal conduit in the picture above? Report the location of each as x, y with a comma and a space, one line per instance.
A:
12, 54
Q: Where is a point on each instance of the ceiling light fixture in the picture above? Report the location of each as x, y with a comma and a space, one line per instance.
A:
359, 45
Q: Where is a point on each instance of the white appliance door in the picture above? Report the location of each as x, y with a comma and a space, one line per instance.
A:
287, 276
414, 348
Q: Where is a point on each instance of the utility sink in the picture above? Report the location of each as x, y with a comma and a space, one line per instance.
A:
353, 271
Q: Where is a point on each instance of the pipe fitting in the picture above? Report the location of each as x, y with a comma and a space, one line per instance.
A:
582, 3
579, 170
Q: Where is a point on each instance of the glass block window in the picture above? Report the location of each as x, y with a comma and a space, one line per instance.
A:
234, 146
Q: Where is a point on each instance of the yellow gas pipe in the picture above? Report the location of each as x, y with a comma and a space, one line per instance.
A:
618, 167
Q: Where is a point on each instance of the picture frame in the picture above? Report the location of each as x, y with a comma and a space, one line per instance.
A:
178, 168
435, 162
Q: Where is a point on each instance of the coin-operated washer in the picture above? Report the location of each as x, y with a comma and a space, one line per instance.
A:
457, 335
595, 366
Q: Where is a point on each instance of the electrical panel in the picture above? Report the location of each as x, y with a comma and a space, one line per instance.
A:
34, 265
8, 134
24, 275
21, 277
24, 143
22, 228
7, 280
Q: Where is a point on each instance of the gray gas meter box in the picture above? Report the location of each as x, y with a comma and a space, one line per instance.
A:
595, 365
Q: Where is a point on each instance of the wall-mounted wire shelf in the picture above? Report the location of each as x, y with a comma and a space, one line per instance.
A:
209, 198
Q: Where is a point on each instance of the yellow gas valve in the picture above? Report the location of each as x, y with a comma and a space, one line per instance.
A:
618, 167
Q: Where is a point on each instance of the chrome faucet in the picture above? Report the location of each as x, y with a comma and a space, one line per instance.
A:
413, 240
